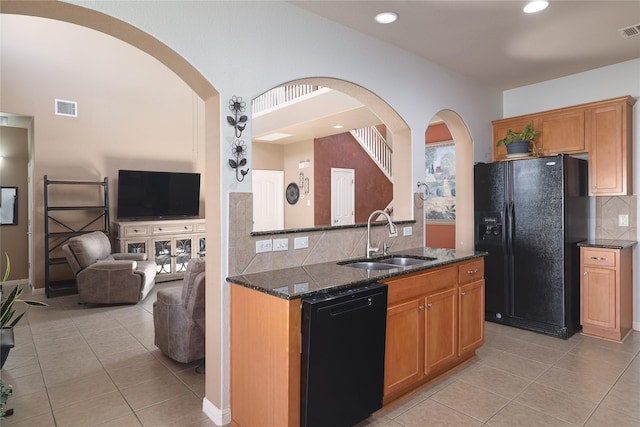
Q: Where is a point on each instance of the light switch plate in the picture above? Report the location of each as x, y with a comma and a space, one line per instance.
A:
280, 244
623, 220
301, 242
264, 246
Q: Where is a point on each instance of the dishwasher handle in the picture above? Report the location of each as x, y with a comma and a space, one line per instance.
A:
353, 305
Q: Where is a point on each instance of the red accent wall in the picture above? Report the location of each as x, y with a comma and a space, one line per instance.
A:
373, 189
437, 133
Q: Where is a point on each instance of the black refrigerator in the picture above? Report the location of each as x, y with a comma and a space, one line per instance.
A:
529, 216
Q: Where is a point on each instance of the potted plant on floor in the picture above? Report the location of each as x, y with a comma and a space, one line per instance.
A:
8, 318
518, 142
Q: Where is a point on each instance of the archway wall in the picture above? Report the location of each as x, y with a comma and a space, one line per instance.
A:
245, 48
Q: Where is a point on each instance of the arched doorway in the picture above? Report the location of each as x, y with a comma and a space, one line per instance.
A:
125, 32
463, 193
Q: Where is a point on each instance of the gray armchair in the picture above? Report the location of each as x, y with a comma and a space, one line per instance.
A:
178, 316
106, 278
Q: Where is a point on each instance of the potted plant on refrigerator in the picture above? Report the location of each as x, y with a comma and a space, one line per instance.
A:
518, 142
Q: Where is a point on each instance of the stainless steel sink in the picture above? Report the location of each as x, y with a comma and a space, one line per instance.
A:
404, 261
368, 265
386, 263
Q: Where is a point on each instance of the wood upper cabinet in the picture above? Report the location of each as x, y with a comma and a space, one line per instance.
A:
606, 292
561, 132
601, 129
609, 140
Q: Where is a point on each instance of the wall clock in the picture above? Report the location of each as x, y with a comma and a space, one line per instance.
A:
293, 193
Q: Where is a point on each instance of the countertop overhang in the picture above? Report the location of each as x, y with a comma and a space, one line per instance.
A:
314, 279
608, 243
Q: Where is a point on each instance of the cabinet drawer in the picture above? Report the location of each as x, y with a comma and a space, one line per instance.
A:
172, 229
421, 284
135, 230
201, 227
471, 271
600, 257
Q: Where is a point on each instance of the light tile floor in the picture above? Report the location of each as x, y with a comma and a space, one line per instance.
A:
83, 366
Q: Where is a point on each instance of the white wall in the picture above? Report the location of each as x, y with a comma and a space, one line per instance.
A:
603, 83
245, 48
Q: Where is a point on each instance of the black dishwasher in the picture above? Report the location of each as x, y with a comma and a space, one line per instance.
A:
343, 345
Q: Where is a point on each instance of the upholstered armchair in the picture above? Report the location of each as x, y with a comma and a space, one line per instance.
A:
178, 316
106, 278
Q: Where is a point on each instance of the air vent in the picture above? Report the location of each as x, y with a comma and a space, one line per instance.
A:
631, 31
66, 108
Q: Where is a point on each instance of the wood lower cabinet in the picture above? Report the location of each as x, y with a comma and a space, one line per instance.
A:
606, 295
433, 325
404, 358
470, 317
440, 330
435, 320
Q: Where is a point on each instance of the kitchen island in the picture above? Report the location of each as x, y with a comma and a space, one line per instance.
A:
435, 321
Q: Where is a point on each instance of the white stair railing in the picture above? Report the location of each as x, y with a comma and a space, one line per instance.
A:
376, 147
281, 95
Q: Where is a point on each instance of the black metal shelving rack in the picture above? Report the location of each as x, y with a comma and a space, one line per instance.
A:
98, 220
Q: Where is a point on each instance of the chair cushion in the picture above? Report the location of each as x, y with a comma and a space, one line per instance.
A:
89, 248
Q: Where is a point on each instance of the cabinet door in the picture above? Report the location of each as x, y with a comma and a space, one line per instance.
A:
162, 255
471, 317
598, 297
440, 330
183, 254
405, 345
561, 132
134, 246
607, 151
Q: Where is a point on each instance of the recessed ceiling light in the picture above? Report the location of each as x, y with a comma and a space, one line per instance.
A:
535, 6
386, 17
338, 126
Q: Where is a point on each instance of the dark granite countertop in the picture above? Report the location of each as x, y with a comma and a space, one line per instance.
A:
308, 280
608, 244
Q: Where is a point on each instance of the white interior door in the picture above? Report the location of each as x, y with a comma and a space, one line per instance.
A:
342, 196
268, 200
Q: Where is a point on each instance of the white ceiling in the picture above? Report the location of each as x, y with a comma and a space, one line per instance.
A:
494, 41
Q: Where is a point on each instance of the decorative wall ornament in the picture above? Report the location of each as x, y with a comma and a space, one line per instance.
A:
238, 148
239, 120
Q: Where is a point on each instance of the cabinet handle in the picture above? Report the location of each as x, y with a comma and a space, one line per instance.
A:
598, 258
585, 273
464, 294
429, 305
159, 228
421, 308
474, 271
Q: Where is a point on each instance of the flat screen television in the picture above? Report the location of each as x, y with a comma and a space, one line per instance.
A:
155, 195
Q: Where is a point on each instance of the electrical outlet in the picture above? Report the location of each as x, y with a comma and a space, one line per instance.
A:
301, 242
280, 244
623, 220
407, 231
264, 246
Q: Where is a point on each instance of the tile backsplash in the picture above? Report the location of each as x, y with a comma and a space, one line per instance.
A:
324, 245
608, 210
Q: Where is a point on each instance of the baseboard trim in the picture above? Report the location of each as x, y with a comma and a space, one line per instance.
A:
636, 326
219, 416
